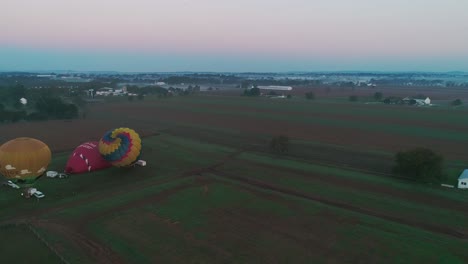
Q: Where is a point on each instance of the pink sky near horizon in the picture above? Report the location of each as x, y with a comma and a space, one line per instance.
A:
286, 29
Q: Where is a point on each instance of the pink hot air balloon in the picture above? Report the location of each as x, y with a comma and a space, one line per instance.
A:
85, 158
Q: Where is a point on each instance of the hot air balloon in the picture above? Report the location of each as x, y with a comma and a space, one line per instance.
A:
24, 159
121, 146
86, 158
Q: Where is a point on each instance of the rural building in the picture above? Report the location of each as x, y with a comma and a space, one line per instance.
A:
426, 101
105, 91
418, 102
275, 87
463, 180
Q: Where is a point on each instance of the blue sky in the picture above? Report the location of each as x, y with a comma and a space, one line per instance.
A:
256, 35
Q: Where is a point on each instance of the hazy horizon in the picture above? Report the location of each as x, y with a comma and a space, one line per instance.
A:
240, 36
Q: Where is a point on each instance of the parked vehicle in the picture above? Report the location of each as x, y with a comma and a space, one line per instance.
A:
38, 194
62, 175
32, 192
12, 184
52, 174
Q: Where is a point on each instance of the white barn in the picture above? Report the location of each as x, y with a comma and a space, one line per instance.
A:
426, 101
463, 180
275, 87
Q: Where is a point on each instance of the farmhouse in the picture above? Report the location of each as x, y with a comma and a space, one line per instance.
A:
418, 102
463, 180
426, 101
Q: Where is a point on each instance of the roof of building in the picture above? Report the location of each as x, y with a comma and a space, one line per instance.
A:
464, 175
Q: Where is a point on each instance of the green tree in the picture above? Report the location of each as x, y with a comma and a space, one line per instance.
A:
378, 96
456, 102
252, 92
17, 105
279, 144
55, 108
130, 98
353, 98
255, 91
141, 96
420, 164
289, 96
310, 95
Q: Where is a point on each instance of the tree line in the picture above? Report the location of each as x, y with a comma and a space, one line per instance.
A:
40, 104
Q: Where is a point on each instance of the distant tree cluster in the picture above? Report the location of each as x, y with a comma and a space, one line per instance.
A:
42, 104
178, 91
393, 100
192, 90
147, 90
252, 92
56, 108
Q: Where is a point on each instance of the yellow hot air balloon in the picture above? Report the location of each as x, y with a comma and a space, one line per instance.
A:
24, 159
121, 146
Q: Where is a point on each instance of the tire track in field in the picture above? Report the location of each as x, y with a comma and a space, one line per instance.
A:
83, 238
92, 248
267, 186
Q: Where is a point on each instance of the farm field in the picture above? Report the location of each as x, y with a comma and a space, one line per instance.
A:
212, 193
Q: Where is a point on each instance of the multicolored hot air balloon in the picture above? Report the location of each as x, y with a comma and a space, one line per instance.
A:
121, 146
24, 159
86, 158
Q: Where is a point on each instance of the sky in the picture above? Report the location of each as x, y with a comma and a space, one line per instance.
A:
239, 36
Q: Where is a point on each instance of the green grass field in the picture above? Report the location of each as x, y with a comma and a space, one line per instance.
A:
20, 245
213, 194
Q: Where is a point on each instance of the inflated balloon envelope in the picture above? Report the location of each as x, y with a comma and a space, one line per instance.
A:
121, 147
86, 158
24, 159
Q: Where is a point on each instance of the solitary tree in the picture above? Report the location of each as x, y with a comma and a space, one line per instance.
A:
280, 144
378, 96
420, 164
456, 102
310, 95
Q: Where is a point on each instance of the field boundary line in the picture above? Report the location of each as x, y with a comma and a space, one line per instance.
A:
38, 236
44, 241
